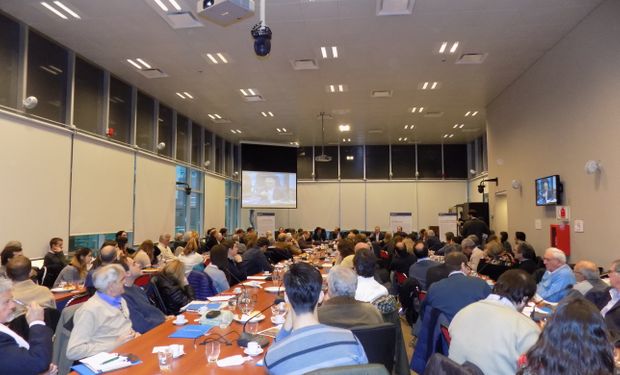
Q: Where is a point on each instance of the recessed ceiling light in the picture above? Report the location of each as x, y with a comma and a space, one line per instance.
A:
135, 64
248, 92
216, 57
235, 131
337, 87
185, 95
451, 135
251, 92
267, 114
346, 139
218, 116
325, 52
475, 113
344, 127
54, 10
461, 126
417, 109
144, 63
455, 126
181, 95
175, 5
350, 157
270, 113
66, 9
243, 92
444, 47
211, 116
161, 5
429, 85
471, 113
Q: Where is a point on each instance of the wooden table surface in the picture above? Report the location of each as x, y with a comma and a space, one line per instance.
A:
195, 360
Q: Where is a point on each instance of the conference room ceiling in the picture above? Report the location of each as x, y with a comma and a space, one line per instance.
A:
387, 53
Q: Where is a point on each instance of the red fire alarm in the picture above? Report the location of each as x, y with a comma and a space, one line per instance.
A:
110, 132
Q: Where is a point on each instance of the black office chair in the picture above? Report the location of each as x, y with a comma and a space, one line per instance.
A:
153, 294
21, 327
440, 364
369, 369
378, 341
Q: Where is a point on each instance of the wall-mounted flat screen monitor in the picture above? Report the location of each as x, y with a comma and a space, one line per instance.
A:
262, 189
548, 191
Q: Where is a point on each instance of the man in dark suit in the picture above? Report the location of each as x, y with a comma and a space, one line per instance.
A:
376, 236
17, 355
441, 271
457, 290
255, 260
475, 226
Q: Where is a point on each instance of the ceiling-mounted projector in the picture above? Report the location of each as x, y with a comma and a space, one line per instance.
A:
323, 158
225, 12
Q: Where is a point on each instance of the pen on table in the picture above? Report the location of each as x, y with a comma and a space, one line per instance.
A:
110, 360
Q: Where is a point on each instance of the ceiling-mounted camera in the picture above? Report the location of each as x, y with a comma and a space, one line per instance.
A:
262, 39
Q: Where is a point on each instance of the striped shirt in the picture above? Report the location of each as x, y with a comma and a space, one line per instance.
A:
313, 347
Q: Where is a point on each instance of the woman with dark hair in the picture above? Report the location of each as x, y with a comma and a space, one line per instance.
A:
575, 341
346, 251
504, 239
145, 255
173, 287
75, 272
218, 268
319, 235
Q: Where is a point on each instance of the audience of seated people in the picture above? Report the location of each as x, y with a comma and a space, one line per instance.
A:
487, 330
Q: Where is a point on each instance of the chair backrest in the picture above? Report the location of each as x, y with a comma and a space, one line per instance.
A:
422, 295
143, 280
62, 333
401, 278
153, 294
21, 327
369, 369
78, 298
202, 284
378, 341
445, 333
440, 364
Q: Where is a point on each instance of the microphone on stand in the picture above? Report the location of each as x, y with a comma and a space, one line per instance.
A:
245, 337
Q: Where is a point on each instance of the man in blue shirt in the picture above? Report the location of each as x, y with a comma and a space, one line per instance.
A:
303, 344
558, 280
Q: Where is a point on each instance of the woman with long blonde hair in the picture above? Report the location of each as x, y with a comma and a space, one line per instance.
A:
173, 287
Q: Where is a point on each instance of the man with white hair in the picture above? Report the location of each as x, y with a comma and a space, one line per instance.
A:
103, 322
341, 309
558, 279
17, 355
163, 245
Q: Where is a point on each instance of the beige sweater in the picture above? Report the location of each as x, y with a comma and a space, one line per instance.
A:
97, 328
27, 292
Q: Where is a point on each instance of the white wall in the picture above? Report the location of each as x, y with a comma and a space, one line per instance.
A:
35, 164
559, 114
363, 205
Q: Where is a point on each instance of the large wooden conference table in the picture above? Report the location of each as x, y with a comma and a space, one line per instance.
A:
195, 360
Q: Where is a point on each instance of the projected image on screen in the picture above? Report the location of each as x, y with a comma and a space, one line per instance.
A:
268, 189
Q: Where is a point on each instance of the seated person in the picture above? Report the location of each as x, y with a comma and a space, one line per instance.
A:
441, 271
18, 356
190, 257
145, 255
403, 258
163, 248
496, 261
108, 253
368, 289
144, 316
173, 287
609, 303
218, 267
346, 252
254, 259
558, 279
420, 267
102, 323
24, 289
303, 344
340, 308
587, 277
235, 274
54, 261
525, 257
13, 248
77, 269
492, 333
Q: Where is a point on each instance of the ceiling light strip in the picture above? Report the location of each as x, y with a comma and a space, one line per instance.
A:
54, 10
66, 9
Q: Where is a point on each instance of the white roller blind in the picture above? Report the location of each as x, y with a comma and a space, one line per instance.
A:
353, 205
215, 210
34, 194
102, 188
317, 204
155, 198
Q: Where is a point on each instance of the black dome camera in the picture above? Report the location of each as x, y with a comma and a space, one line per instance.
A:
262, 39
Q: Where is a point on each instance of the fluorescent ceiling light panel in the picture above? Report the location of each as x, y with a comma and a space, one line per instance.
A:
324, 52
212, 58
332, 88
425, 85
443, 47
66, 9
211, 116
218, 116
188, 95
434, 86
335, 52
264, 114
344, 127
175, 5
475, 113
222, 57
340, 88
271, 114
180, 95
251, 92
135, 64
54, 10
146, 65
454, 47
461, 126
243, 92
161, 5
467, 114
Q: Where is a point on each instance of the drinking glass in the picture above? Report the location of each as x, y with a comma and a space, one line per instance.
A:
212, 351
252, 327
246, 303
225, 319
165, 360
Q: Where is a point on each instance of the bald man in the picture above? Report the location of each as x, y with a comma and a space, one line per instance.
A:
588, 277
